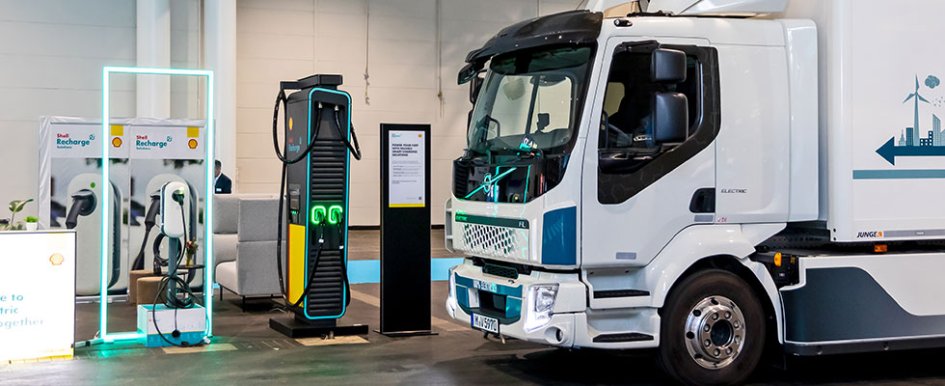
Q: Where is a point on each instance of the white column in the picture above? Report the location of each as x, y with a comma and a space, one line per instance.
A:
153, 50
220, 56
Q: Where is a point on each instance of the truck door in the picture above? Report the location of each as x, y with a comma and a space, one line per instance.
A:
646, 175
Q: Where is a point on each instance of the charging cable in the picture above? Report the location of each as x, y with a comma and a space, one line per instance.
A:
356, 149
149, 222
281, 98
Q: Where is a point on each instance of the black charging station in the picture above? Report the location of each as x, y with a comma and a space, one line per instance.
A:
316, 155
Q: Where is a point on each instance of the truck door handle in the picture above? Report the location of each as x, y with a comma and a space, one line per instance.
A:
703, 201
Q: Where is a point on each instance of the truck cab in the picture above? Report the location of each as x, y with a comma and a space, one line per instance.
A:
654, 179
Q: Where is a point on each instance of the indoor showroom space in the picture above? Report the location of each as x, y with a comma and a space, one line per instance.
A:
482, 192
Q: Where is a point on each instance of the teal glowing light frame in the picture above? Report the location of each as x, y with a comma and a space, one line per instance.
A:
104, 335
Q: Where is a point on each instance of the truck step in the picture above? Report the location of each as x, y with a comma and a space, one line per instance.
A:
624, 293
622, 337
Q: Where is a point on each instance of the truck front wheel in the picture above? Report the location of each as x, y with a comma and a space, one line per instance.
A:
712, 331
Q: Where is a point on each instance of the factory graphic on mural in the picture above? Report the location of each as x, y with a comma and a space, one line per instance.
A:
911, 142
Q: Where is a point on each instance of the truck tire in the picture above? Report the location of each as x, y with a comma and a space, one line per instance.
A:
712, 331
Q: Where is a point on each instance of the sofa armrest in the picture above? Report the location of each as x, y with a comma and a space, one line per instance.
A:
225, 248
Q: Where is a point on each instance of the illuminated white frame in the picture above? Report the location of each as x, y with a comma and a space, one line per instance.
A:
208, 201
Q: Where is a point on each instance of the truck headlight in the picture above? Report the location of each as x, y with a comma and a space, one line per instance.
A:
541, 300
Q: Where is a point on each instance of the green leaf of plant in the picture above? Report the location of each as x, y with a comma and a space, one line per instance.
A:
17, 205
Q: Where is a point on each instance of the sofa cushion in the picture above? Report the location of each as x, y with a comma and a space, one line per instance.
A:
226, 211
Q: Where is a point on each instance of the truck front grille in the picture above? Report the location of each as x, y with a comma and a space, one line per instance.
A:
493, 241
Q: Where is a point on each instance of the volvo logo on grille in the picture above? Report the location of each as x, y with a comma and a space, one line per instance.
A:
488, 185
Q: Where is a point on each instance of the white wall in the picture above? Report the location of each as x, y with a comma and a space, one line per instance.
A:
398, 44
51, 58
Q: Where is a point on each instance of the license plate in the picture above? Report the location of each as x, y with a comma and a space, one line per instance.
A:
485, 323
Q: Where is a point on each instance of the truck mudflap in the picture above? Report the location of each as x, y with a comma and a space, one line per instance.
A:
507, 307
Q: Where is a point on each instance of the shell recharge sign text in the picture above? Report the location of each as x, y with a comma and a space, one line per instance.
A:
65, 141
156, 142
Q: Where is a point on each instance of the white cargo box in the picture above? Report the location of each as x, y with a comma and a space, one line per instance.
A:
882, 101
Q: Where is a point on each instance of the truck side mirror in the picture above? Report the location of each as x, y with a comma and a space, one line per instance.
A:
544, 119
466, 73
475, 84
668, 66
670, 117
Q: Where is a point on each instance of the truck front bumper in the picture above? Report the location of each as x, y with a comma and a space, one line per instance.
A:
512, 300
507, 299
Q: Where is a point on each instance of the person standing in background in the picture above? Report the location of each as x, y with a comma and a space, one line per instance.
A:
221, 183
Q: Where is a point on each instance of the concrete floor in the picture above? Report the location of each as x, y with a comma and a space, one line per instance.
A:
246, 351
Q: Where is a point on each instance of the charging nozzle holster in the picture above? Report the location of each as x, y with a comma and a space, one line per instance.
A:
83, 204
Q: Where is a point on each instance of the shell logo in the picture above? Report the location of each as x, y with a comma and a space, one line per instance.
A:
192, 143
56, 259
116, 142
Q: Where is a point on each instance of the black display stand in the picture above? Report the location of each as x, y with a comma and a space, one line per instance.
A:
405, 231
294, 328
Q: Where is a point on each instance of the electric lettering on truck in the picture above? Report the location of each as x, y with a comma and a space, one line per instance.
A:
709, 179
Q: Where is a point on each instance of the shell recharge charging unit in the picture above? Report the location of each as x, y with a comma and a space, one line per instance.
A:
316, 153
174, 318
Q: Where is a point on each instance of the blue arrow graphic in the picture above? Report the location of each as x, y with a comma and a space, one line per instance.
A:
889, 151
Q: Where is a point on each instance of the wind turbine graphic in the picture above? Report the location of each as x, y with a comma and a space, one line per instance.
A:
916, 98
889, 151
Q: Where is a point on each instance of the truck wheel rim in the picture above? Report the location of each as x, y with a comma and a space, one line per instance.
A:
715, 332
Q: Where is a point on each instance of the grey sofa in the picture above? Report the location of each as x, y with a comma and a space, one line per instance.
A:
244, 239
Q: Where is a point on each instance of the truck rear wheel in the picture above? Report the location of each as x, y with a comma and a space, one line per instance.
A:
712, 331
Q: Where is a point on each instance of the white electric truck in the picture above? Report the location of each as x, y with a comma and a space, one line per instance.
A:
711, 178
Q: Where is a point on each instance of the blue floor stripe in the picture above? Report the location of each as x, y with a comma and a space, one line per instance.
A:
369, 271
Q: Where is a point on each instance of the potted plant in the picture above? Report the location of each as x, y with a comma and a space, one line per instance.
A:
32, 223
16, 206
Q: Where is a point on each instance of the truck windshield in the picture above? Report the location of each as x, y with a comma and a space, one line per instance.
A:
530, 100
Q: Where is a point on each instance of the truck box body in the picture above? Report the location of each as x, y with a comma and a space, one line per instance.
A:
882, 148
